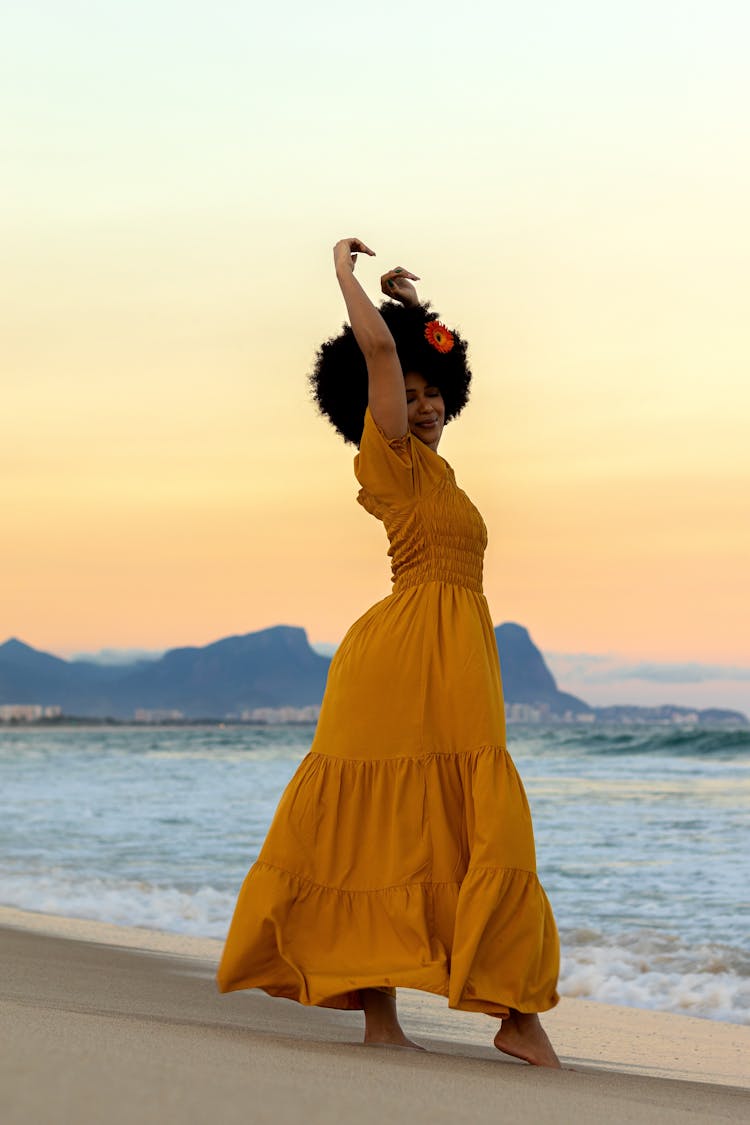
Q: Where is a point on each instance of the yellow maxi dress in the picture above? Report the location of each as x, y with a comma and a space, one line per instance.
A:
402, 851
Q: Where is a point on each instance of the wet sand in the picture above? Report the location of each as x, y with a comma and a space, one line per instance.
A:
102, 1023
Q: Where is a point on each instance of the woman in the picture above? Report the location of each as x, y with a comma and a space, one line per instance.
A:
402, 852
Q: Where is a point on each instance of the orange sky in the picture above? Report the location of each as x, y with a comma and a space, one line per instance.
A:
581, 214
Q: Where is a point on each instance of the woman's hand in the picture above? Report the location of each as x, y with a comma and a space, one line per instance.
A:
345, 253
397, 283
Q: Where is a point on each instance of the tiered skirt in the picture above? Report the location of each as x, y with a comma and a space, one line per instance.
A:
402, 851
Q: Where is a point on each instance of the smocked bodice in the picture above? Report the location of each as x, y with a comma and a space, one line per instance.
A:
440, 537
435, 532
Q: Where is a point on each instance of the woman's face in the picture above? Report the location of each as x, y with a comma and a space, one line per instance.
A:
426, 409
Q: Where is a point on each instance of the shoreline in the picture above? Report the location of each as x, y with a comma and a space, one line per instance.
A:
735, 722
155, 940
597, 1040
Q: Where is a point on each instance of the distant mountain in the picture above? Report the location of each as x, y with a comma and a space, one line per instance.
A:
526, 677
25, 670
271, 668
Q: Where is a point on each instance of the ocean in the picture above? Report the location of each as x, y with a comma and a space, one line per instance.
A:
643, 841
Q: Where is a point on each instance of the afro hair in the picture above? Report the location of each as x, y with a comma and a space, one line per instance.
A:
339, 378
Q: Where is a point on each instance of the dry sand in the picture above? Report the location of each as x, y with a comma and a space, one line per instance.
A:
101, 1023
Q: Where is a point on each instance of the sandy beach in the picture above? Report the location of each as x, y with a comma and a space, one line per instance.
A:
106, 1023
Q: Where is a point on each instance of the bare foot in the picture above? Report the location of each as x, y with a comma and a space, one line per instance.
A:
522, 1036
382, 1028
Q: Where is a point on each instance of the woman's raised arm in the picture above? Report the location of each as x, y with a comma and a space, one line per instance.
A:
386, 394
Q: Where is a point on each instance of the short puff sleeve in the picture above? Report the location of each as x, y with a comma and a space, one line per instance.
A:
394, 471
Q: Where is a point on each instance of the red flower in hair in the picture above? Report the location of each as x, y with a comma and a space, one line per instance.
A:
438, 336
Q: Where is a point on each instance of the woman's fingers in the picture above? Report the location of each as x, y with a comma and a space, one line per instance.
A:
360, 247
345, 252
355, 246
397, 272
397, 281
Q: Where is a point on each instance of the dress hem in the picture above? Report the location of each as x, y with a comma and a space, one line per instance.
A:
488, 943
350, 1002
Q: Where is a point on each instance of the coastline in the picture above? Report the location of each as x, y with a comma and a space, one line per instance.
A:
103, 1021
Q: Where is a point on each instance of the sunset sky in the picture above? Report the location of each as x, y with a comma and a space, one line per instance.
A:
571, 182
